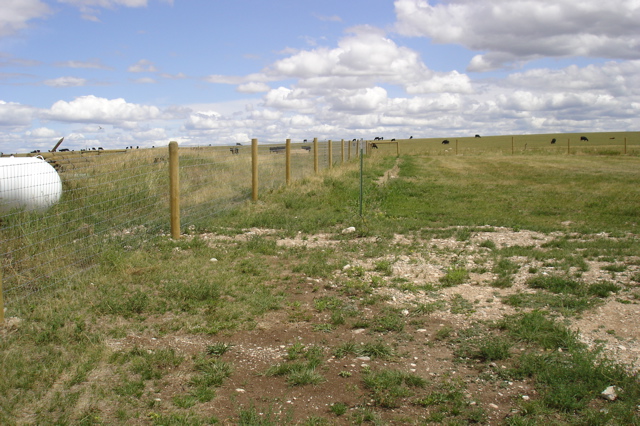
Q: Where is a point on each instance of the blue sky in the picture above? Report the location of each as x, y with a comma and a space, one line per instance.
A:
116, 73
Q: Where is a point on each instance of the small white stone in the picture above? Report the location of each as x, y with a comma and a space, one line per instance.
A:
610, 393
213, 259
494, 406
526, 397
349, 230
240, 390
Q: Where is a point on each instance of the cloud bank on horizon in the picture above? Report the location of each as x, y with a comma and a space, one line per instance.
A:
116, 73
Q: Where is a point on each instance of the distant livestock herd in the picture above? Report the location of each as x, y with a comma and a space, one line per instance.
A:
236, 150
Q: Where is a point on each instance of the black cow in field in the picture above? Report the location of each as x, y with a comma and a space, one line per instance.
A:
553, 140
234, 150
584, 138
393, 140
374, 146
477, 136
445, 142
410, 137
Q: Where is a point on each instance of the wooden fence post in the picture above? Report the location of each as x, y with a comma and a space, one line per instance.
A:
174, 184
330, 149
315, 155
349, 151
288, 161
342, 144
254, 169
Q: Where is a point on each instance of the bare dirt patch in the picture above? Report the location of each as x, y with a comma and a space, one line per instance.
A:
420, 345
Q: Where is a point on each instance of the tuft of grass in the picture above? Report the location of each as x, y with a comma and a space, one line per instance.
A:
602, 289
388, 387
488, 244
385, 267
616, 267
454, 276
218, 349
535, 327
377, 349
150, 365
210, 374
389, 320
460, 305
339, 408
304, 370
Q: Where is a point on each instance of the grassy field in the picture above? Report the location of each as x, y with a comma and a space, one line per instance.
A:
456, 300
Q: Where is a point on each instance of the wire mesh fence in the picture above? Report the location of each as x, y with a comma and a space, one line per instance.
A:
50, 233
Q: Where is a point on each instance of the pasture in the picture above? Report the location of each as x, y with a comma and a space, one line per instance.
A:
486, 287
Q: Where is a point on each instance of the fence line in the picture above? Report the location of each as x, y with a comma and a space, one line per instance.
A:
124, 196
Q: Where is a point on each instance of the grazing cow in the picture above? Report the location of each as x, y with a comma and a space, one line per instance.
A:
553, 140
234, 150
393, 140
410, 137
237, 144
374, 146
477, 136
445, 142
584, 138
304, 141
611, 138
353, 140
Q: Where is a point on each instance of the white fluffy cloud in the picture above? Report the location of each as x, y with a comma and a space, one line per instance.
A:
13, 114
253, 87
512, 31
17, 13
364, 57
92, 109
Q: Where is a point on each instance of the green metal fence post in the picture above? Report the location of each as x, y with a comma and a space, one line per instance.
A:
254, 169
174, 184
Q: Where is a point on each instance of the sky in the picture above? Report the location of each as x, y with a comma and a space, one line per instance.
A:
141, 73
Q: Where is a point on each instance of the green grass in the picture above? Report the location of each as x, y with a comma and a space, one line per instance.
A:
454, 276
388, 387
96, 316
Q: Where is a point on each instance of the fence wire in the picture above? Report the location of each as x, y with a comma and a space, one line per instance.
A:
119, 197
